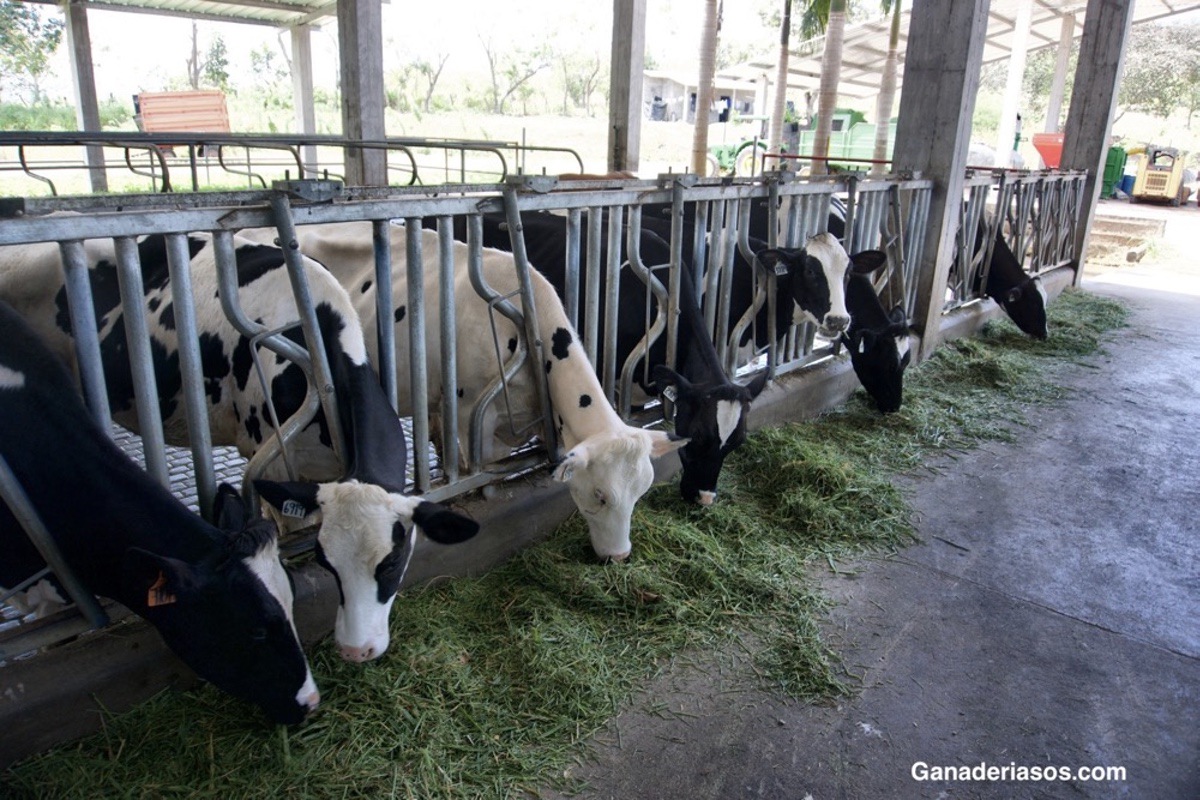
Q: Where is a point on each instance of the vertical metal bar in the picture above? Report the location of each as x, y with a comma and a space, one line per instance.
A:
322, 371
191, 368
772, 289
674, 282
141, 362
418, 369
726, 281
716, 252
385, 327
532, 332
84, 332
591, 333
612, 289
18, 502
449, 319
571, 284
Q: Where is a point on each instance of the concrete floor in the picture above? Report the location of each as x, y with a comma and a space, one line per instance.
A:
1050, 616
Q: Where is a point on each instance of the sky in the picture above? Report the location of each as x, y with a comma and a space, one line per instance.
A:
136, 52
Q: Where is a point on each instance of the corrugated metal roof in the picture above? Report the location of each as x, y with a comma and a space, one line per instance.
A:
866, 43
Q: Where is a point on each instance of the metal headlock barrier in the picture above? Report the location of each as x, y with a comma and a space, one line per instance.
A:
1038, 211
179, 161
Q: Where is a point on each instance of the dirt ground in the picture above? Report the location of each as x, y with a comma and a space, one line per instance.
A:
1047, 618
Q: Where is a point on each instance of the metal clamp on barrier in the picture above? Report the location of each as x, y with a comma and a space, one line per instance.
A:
311, 190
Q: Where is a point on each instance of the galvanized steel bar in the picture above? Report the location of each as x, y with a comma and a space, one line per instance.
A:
651, 329
191, 368
84, 331
529, 306
612, 287
571, 282
18, 502
712, 270
418, 367
591, 319
449, 350
321, 368
385, 328
141, 361
725, 278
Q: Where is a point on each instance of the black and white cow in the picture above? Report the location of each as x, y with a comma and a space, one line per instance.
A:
1023, 298
877, 339
607, 466
367, 523
220, 599
710, 409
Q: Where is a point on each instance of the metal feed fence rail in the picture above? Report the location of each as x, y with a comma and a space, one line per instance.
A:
178, 161
889, 214
1038, 215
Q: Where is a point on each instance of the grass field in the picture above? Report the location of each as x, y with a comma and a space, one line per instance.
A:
491, 683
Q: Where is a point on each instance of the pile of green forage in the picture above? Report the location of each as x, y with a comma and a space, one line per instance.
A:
491, 683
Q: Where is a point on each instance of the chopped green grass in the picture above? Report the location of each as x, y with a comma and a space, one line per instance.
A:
490, 684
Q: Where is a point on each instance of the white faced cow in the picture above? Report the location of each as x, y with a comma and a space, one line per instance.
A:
220, 599
368, 525
607, 464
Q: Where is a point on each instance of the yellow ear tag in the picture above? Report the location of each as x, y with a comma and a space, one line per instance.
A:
159, 596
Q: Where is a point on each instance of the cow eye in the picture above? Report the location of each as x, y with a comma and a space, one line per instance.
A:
259, 634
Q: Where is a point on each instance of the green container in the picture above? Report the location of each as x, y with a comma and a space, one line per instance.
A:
1114, 170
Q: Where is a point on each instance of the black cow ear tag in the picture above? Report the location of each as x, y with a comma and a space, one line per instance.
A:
158, 594
293, 509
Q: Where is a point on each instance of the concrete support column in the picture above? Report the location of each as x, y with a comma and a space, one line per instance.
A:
360, 46
1093, 98
87, 106
1006, 135
1058, 84
941, 78
302, 93
625, 86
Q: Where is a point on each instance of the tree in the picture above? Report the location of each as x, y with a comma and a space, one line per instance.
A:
709, 35
430, 73
27, 41
831, 72
887, 87
512, 69
581, 76
216, 64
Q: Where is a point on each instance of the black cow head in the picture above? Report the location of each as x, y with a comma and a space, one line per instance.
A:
228, 616
1025, 305
713, 417
877, 339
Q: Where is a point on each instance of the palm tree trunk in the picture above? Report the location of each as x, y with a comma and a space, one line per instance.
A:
831, 73
887, 92
775, 134
704, 89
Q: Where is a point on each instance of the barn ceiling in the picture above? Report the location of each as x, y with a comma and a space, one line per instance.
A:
276, 13
866, 44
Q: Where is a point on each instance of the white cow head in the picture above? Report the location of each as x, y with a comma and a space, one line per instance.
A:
607, 474
366, 540
816, 276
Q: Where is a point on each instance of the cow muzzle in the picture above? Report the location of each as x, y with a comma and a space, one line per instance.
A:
834, 324
358, 655
706, 498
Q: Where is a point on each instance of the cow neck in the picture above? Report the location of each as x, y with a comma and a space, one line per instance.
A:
575, 392
695, 355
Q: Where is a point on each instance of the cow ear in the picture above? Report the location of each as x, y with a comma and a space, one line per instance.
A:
757, 384
229, 510
294, 499
897, 316
576, 458
443, 525
161, 580
773, 261
662, 443
669, 383
868, 261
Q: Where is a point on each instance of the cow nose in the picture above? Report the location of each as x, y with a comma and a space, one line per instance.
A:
357, 654
836, 322
618, 558
706, 498
312, 701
